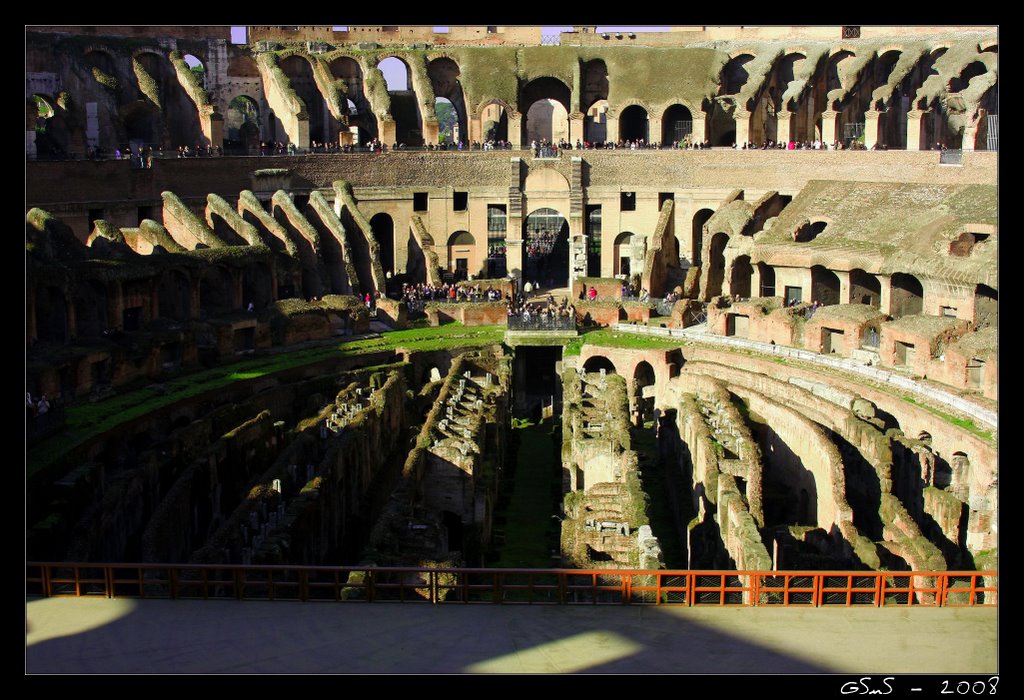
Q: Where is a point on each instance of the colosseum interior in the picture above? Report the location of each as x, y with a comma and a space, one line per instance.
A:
273, 297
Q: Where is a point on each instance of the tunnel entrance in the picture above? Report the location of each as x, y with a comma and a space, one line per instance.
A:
536, 384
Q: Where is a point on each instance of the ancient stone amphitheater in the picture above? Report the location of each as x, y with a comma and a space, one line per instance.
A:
300, 340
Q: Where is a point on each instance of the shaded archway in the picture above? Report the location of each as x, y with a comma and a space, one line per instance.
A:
716, 264
383, 227
142, 123
448, 129
91, 310
174, 296
697, 237
907, 295
546, 240
242, 125
215, 292
360, 113
633, 124
676, 124
550, 120
824, 286
971, 70
740, 278
300, 77
808, 231
596, 363
494, 122
51, 315
593, 83
865, 288
461, 250
643, 376
623, 254
595, 125
198, 68
444, 78
734, 75
405, 108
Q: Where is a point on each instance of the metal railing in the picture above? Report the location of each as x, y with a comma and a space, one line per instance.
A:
951, 157
515, 586
986, 416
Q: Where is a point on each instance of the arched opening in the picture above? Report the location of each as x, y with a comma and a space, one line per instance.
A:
257, 286
971, 70
141, 121
676, 124
716, 264
593, 83
102, 61
633, 124
907, 295
453, 531
786, 71
623, 254
809, 231
767, 274
404, 102
546, 238
824, 286
596, 363
865, 288
91, 310
175, 296
196, 66
444, 77
742, 272
643, 376
360, 114
215, 293
461, 249
52, 138
52, 315
448, 130
494, 122
734, 75
720, 125
242, 125
697, 238
548, 120
383, 227
595, 126
300, 77
986, 307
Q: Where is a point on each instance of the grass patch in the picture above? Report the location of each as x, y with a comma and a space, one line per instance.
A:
965, 423
614, 339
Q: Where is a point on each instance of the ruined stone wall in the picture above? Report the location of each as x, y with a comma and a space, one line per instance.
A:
467, 313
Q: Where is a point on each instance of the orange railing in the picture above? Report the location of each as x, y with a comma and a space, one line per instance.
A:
515, 586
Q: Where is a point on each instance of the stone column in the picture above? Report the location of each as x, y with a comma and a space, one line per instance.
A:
653, 129
914, 130
514, 257
515, 129
829, 124
971, 132
885, 298
844, 286
783, 126
430, 132
611, 127
872, 128
699, 132
476, 128
742, 118
755, 281
576, 128
212, 124
387, 133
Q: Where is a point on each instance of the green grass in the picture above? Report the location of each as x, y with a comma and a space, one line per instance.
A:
965, 423
85, 420
614, 339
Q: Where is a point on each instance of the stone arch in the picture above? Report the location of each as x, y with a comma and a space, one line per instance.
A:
51, 315
444, 78
52, 137
989, 46
595, 125
91, 309
676, 123
907, 295
633, 123
299, 70
257, 285
216, 293
494, 121
360, 112
405, 109
197, 66
836, 68
551, 120
595, 363
101, 59
383, 227
593, 83
546, 247
824, 285
142, 122
865, 288
643, 376
546, 182
809, 230
716, 264
734, 74
623, 247
461, 251
740, 277
700, 218
174, 295
242, 124
961, 80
